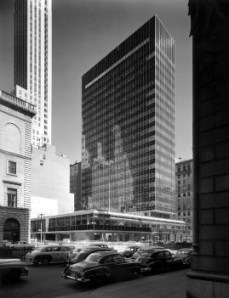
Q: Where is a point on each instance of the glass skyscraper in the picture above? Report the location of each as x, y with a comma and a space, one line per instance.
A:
128, 112
33, 62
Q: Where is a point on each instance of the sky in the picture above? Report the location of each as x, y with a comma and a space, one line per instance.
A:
85, 31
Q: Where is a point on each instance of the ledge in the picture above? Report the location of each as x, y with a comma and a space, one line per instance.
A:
208, 276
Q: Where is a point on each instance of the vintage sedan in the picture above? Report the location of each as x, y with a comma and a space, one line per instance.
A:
99, 244
129, 251
12, 270
158, 261
144, 249
48, 254
102, 266
81, 255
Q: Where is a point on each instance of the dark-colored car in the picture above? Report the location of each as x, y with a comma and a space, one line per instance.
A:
102, 266
80, 255
185, 255
129, 251
158, 261
146, 248
12, 270
103, 245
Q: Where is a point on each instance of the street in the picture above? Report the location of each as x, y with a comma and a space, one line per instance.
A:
46, 282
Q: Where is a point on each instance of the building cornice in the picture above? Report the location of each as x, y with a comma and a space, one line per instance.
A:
15, 154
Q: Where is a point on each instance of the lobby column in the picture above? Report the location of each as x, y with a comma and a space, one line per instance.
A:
209, 275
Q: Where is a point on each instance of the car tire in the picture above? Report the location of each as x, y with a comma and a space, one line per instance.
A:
14, 275
35, 262
157, 268
45, 261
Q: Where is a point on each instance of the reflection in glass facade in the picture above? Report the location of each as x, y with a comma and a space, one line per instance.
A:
128, 109
103, 225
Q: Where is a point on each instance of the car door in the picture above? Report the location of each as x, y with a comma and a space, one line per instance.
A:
65, 252
56, 254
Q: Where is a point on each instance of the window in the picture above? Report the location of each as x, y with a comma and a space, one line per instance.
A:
12, 167
12, 197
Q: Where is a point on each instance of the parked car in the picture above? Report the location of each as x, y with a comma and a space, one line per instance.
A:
22, 244
129, 251
18, 244
12, 270
80, 255
101, 266
185, 255
48, 254
158, 261
143, 249
103, 245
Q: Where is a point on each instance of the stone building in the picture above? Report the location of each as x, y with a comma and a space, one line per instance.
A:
15, 167
184, 195
50, 182
209, 275
75, 184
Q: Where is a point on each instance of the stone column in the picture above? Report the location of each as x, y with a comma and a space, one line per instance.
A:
209, 275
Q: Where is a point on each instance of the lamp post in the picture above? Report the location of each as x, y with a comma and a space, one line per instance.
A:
41, 216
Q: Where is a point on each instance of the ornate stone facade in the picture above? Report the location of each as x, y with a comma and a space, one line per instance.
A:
209, 276
15, 167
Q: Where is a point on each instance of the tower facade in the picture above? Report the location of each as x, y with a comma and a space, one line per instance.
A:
128, 111
33, 62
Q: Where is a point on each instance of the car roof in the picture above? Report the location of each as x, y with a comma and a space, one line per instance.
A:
155, 251
107, 252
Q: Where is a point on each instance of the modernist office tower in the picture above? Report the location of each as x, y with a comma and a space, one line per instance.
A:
33, 62
128, 109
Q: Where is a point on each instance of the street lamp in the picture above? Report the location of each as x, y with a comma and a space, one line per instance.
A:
41, 216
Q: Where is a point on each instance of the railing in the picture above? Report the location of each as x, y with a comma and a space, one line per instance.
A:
17, 101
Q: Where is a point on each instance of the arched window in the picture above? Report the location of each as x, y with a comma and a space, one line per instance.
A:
11, 138
11, 230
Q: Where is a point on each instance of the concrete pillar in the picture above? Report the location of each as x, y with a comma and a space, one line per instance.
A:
209, 275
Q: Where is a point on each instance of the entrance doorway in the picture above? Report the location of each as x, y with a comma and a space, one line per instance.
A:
11, 230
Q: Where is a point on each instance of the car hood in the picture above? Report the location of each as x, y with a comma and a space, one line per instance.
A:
182, 256
10, 261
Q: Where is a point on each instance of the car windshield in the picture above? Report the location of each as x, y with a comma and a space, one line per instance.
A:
94, 258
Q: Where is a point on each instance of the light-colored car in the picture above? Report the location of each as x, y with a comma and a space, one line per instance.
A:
12, 270
18, 244
22, 244
48, 254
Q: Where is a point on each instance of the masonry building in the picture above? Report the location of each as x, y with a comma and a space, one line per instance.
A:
75, 184
50, 182
15, 167
184, 195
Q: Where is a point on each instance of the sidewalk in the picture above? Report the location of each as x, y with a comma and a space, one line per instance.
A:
168, 285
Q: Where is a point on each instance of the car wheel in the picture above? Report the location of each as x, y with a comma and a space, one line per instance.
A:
35, 262
45, 261
15, 275
156, 268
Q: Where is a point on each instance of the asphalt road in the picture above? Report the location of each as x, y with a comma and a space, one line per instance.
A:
46, 282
